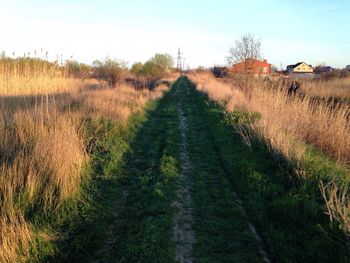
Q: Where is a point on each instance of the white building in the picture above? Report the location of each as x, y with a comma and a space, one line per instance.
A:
300, 67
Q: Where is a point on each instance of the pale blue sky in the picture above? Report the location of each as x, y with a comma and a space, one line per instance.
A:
313, 31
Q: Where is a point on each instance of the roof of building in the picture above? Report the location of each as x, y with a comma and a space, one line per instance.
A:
297, 64
264, 60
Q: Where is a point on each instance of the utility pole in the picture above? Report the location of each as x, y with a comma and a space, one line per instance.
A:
179, 60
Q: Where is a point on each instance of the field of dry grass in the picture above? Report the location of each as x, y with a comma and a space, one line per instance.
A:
42, 147
336, 88
284, 118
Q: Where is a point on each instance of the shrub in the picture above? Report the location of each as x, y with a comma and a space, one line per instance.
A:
136, 68
77, 69
154, 69
113, 71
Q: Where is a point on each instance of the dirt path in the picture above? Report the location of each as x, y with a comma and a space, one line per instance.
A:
184, 236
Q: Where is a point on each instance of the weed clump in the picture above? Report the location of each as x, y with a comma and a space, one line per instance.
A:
242, 117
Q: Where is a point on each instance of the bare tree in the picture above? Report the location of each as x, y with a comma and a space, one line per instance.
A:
246, 50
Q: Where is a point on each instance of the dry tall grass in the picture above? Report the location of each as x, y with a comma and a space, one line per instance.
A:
115, 103
16, 237
41, 161
27, 76
171, 77
339, 88
284, 118
338, 203
42, 151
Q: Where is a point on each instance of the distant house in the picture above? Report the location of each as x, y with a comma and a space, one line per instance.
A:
300, 67
252, 66
348, 67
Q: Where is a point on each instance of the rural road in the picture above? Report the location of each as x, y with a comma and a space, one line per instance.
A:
180, 205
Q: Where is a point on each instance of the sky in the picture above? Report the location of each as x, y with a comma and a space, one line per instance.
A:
314, 31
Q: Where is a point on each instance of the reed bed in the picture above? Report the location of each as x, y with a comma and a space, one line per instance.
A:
28, 76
